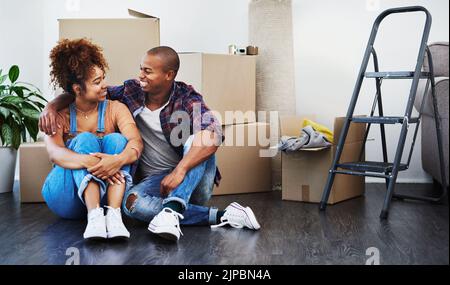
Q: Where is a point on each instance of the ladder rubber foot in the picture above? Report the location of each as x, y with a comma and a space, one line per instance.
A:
384, 214
322, 206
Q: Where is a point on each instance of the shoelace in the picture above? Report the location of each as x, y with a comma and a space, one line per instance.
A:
116, 213
93, 214
177, 216
225, 221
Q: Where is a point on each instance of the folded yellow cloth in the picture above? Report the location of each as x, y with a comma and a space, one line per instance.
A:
319, 128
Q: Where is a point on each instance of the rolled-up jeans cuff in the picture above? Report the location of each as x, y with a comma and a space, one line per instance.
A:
84, 183
176, 199
213, 215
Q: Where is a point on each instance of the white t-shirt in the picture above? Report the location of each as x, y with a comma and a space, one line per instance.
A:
158, 155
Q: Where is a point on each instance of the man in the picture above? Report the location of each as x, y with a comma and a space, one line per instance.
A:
177, 167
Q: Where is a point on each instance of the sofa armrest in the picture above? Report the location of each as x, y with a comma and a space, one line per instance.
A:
442, 94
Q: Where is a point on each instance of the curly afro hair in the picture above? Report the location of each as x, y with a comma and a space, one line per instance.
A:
72, 61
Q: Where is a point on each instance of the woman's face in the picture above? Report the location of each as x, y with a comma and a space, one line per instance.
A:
95, 86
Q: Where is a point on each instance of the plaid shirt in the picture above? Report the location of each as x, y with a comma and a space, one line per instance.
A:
183, 98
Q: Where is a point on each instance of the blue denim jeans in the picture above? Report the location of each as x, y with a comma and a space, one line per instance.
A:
192, 193
63, 189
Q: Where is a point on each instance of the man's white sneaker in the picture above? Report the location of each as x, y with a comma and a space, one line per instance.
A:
114, 224
238, 216
166, 224
96, 225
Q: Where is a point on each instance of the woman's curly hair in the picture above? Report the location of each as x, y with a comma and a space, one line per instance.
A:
72, 61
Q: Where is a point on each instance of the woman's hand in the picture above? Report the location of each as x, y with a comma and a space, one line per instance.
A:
117, 178
107, 166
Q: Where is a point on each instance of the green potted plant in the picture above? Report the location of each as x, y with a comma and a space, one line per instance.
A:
20, 106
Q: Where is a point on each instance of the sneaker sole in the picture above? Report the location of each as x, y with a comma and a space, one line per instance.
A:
165, 233
95, 237
117, 236
250, 215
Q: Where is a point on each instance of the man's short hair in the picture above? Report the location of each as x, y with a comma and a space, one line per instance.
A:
169, 57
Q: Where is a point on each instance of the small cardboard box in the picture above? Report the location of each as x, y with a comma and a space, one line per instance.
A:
124, 41
239, 160
34, 168
304, 172
226, 82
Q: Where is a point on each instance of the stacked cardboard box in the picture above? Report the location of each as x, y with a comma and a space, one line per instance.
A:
124, 41
34, 166
228, 83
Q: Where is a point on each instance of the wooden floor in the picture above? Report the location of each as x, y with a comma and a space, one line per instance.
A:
292, 233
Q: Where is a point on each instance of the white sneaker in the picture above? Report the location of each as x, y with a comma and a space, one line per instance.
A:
114, 224
96, 225
238, 217
166, 224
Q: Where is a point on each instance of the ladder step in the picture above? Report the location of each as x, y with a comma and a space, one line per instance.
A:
358, 173
383, 120
371, 166
395, 74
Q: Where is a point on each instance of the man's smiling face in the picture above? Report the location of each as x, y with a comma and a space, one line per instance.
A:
153, 76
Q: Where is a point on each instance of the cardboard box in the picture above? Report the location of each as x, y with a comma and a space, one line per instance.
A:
226, 82
124, 41
304, 173
240, 163
34, 168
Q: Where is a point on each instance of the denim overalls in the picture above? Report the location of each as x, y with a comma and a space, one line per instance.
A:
63, 189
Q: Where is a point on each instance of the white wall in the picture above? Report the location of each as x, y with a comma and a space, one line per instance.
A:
21, 42
329, 42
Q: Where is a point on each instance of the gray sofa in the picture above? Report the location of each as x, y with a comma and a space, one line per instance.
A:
430, 158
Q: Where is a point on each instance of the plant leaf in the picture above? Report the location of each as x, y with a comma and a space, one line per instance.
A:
3, 78
7, 134
32, 127
29, 84
13, 73
13, 109
16, 135
12, 99
18, 90
30, 113
4, 112
38, 104
34, 94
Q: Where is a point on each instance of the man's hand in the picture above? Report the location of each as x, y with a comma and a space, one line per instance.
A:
171, 181
107, 166
48, 121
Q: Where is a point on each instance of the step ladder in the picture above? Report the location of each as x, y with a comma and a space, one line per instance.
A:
385, 169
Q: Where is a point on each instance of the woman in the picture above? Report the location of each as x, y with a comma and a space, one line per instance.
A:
94, 145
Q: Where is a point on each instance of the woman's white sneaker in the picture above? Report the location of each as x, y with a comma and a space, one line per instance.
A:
96, 225
166, 224
239, 217
114, 224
